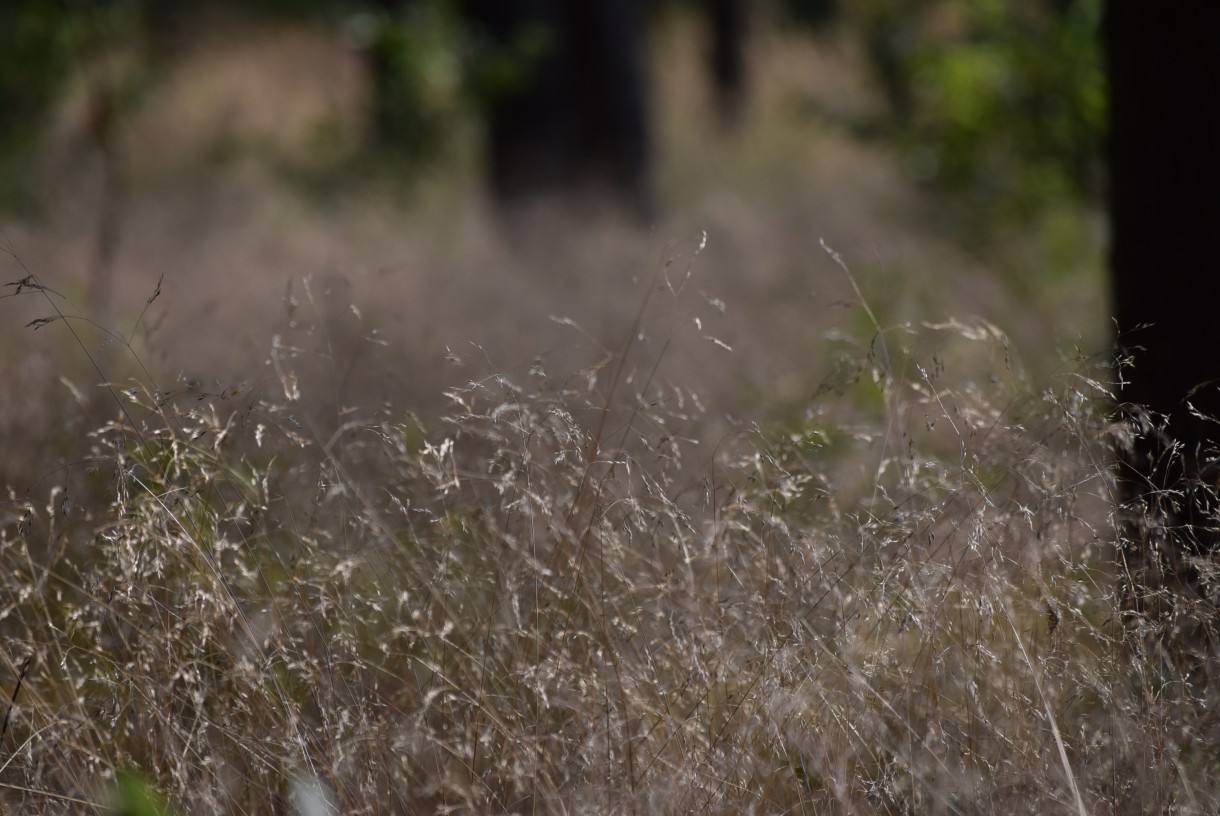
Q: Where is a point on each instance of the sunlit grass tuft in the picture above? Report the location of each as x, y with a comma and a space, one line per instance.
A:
551, 599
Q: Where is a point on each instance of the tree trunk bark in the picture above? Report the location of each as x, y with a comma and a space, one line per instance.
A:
580, 124
1163, 61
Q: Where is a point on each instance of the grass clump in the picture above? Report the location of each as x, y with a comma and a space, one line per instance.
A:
551, 599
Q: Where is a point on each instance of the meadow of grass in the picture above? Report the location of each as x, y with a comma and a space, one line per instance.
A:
381, 513
555, 596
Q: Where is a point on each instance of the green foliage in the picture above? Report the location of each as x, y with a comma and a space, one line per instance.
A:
36, 42
416, 58
499, 71
37, 38
136, 796
1000, 101
425, 70
42, 45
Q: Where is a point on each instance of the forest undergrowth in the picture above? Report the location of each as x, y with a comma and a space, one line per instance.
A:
558, 596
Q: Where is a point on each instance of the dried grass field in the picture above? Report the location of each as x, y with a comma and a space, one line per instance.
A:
787, 504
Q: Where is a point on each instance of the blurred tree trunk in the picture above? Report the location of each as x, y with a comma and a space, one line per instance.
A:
1163, 61
574, 121
578, 120
727, 56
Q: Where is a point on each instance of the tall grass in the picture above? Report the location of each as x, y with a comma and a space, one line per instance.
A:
550, 599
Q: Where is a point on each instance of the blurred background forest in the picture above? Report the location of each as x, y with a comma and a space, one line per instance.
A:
311, 179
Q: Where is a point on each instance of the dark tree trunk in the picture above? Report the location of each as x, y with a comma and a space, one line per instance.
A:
579, 123
1163, 61
727, 56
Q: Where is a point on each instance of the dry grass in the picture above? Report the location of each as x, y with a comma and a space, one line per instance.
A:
549, 599
863, 563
